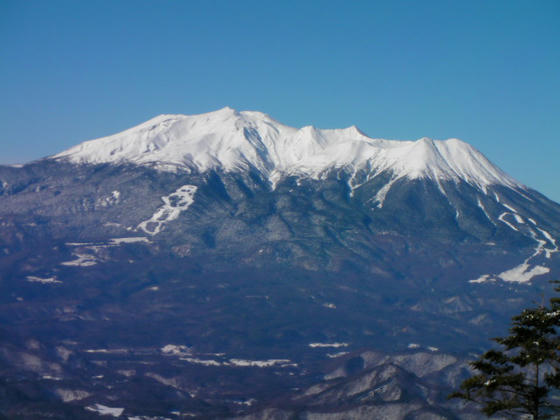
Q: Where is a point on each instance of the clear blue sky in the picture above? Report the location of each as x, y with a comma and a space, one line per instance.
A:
487, 72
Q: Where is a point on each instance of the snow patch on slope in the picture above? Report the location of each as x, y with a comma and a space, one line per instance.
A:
282, 363
47, 280
328, 345
88, 253
105, 410
501, 218
174, 204
176, 350
82, 260
479, 203
525, 272
379, 198
186, 354
261, 363
110, 200
129, 240
550, 239
483, 279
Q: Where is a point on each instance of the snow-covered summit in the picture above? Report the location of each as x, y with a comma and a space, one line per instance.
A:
229, 140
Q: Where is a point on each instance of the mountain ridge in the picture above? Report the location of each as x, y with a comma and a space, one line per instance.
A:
239, 140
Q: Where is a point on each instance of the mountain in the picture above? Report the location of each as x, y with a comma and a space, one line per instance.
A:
225, 265
232, 141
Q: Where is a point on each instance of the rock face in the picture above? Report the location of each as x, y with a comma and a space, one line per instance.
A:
226, 265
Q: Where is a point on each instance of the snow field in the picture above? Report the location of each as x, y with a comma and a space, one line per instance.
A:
232, 141
174, 205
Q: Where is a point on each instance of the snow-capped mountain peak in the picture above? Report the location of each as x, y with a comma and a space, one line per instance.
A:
231, 140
